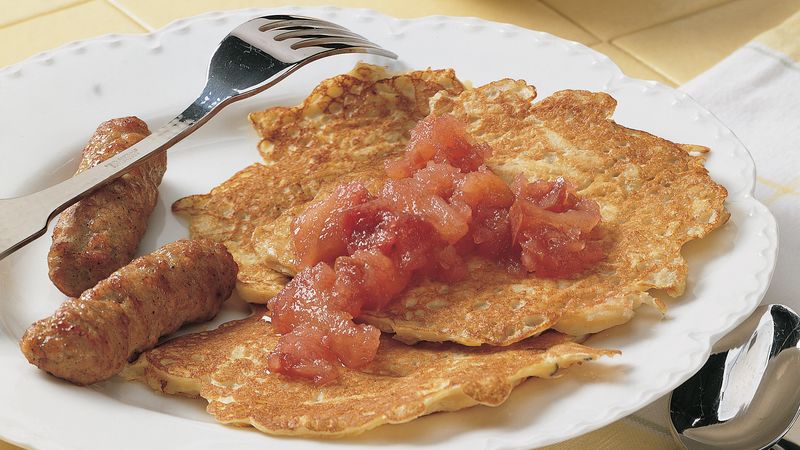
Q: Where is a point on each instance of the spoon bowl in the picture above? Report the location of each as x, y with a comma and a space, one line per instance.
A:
747, 395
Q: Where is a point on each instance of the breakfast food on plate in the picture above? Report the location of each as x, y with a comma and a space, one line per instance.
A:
441, 205
100, 233
493, 221
228, 367
91, 338
653, 197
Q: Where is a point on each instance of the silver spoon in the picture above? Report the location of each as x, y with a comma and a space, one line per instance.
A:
251, 58
747, 395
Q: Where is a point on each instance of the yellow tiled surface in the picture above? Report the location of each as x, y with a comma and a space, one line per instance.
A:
608, 19
684, 48
52, 29
629, 64
529, 14
665, 40
783, 39
16, 10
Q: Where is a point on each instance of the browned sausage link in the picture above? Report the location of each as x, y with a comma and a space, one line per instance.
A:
101, 233
90, 338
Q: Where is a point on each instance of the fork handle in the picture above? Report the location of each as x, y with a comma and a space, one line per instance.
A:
23, 219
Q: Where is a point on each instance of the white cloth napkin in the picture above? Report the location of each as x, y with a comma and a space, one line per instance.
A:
756, 93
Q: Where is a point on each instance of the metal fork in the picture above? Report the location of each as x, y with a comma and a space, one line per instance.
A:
251, 58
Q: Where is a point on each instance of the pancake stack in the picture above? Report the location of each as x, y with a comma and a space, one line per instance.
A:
445, 347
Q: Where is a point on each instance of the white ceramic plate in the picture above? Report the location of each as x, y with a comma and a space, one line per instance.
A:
52, 102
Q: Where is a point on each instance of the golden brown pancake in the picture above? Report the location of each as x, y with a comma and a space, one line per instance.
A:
654, 196
227, 367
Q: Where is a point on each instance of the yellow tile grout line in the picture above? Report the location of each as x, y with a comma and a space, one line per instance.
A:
610, 40
674, 19
127, 12
44, 13
677, 84
570, 20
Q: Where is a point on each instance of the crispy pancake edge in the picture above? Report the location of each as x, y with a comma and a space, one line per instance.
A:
458, 377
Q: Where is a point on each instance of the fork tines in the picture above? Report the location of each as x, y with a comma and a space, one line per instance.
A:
310, 32
284, 21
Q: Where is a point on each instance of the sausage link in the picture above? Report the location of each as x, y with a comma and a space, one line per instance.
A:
91, 338
101, 233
